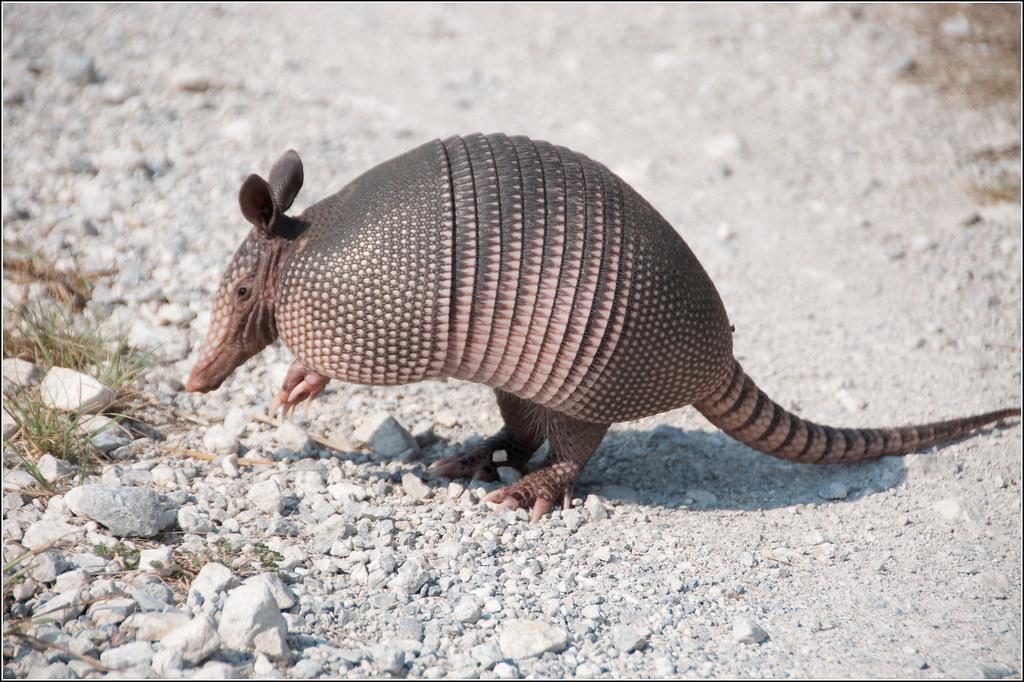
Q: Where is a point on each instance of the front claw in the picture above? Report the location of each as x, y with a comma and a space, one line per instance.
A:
300, 384
538, 491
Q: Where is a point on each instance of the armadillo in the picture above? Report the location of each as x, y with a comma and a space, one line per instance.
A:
520, 265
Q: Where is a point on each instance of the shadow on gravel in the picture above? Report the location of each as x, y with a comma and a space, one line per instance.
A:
672, 468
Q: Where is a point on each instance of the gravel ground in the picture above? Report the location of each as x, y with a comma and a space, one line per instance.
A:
848, 203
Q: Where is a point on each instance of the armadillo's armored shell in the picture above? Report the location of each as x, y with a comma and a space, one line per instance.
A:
512, 263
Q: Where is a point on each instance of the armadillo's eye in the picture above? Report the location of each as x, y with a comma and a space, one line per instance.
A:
243, 291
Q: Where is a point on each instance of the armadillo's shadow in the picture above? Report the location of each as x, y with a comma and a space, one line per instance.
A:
670, 467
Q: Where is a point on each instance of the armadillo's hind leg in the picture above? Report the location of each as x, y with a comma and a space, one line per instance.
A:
512, 446
301, 383
572, 443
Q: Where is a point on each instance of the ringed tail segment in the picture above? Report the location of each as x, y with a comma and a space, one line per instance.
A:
743, 411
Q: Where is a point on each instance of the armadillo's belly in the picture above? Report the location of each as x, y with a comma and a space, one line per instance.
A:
570, 290
509, 262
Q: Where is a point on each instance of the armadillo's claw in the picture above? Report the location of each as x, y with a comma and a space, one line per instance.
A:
474, 465
301, 384
538, 491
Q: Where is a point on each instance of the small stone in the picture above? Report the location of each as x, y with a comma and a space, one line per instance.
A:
664, 667
725, 232
486, 654
905, 65
104, 433
158, 560
239, 130
506, 671
167, 660
956, 26
128, 656
154, 626
63, 607
995, 584
126, 511
411, 577
47, 566
78, 68
111, 611
190, 80
54, 469
833, 491
229, 465
455, 490
293, 439
191, 520
467, 611
196, 640
920, 243
958, 509
509, 475
746, 631
385, 435
602, 554
66, 389
414, 486
211, 580
218, 439
572, 518
723, 146
20, 373
850, 401
49, 530
627, 638
389, 659
971, 219
266, 496
71, 581
528, 638
595, 508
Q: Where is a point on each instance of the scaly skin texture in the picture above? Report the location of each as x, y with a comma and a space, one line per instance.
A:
523, 266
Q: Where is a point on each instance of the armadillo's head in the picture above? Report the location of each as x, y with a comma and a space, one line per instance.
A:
242, 320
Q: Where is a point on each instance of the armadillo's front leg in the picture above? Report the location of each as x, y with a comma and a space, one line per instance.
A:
572, 443
519, 439
301, 383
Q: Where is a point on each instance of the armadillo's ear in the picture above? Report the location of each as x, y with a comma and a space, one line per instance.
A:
257, 204
286, 179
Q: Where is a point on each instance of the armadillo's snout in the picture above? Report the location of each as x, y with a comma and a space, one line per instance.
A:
213, 368
200, 382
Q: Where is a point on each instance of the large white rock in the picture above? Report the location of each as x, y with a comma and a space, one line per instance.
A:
197, 640
252, 621
126, 511
527, 638
212, 579
66, 389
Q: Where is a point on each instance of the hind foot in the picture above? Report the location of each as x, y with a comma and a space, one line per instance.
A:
539, 491
481, 462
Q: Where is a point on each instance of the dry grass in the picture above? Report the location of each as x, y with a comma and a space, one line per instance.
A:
71, 288
982, 64
45, 333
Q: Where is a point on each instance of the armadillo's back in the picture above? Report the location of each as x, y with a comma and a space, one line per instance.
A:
513, 263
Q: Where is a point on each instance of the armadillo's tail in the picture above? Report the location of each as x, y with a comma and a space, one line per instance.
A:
743, 411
